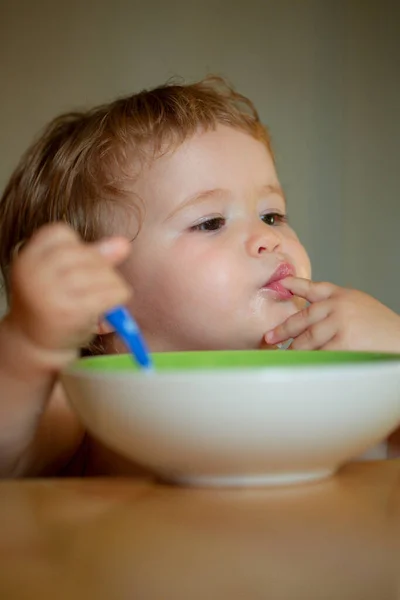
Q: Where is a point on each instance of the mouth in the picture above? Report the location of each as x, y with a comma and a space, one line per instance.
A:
274, 284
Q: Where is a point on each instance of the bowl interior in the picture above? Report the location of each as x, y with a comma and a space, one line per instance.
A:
232, 360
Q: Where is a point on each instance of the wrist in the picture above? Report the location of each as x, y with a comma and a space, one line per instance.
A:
24, 357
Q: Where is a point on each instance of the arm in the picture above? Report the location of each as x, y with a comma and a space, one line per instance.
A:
60, 289
39, 432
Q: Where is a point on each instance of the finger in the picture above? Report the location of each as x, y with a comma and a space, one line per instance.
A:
63, 238
312, 291
299, 322
69, 260
114, 250
50, 236
86, 283
99, 255
85, 312
316, 337
265, 346
57, 262
67, 255
334, 344
97, 304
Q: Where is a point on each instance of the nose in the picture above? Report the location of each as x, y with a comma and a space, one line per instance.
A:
262, 238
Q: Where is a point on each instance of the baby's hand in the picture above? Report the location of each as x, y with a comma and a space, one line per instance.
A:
61, 286
337, 319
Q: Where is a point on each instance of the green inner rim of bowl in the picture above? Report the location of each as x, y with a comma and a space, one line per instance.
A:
234, 359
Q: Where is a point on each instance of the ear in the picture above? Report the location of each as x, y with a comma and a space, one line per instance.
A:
103, 328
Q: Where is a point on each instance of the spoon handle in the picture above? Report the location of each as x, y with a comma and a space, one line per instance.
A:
126, 327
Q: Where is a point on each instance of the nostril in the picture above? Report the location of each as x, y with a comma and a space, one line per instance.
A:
262, 249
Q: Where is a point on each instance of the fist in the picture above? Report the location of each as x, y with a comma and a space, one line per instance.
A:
60, 287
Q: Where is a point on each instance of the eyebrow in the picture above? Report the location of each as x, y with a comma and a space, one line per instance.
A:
220, 192
268, 189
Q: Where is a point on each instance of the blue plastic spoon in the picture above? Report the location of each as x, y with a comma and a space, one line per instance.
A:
127, 329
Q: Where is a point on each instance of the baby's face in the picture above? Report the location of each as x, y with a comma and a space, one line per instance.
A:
213, 235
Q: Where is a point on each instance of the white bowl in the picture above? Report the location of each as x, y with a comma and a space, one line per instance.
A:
239, 418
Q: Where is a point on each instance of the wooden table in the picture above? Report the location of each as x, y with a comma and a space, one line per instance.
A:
124, 539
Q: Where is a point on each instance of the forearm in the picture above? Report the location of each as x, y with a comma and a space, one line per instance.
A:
27, 380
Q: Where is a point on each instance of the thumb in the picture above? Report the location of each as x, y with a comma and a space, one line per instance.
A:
114, 249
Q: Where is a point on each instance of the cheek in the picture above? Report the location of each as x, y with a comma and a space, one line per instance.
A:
203, 275
179, 278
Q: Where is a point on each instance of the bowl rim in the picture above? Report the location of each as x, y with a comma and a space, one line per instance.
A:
374, 361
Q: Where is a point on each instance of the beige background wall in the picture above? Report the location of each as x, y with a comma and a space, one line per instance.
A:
325, 75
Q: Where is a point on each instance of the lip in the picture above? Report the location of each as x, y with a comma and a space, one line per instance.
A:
274, 282
284, 270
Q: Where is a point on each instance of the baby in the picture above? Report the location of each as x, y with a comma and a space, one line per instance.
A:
167, 201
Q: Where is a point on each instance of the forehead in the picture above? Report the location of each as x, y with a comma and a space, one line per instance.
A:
222, 158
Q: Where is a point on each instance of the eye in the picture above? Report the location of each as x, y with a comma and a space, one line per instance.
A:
274, 219
213, 224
